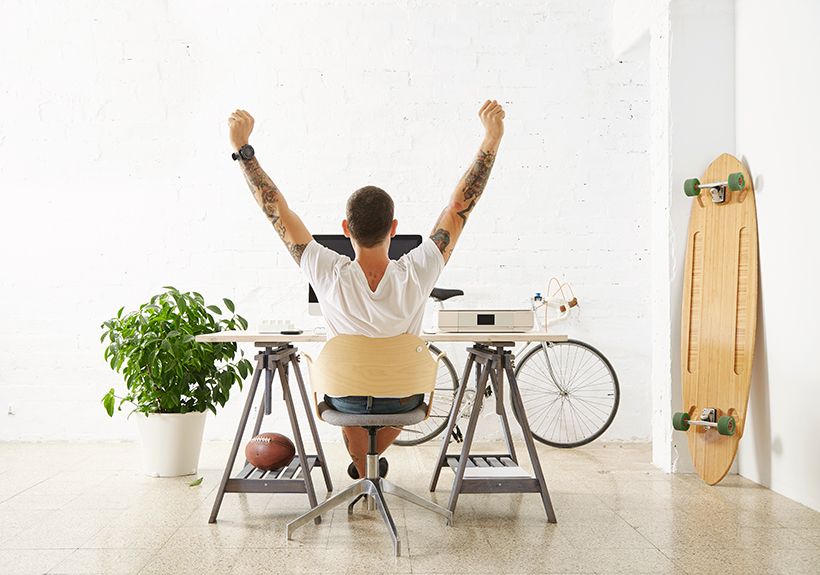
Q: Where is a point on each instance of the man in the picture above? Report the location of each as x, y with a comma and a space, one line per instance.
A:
371, 295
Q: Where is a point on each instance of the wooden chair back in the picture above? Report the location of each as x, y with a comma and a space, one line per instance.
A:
397, 366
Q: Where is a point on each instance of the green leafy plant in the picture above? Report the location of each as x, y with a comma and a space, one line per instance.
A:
165, 369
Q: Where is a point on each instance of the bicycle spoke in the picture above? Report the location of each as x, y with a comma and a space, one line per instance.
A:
549, 408
549, 373
538, 414
588, 417
537, 386
594, 405
544, 371
576, 423
581, 370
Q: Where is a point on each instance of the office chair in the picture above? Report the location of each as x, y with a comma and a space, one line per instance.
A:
397, 366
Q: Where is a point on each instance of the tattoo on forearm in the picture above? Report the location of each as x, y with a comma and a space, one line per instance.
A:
466, 211
267, 196
263, 188
441, 237
475, 180
471, 187
278, 226
476, 177
296, 250
269, 199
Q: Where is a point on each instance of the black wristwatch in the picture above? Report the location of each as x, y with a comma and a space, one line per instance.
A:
245, 153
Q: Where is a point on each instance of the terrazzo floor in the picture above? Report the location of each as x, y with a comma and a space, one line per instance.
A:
89, 510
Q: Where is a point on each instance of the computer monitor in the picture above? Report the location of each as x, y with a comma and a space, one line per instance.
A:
399, 245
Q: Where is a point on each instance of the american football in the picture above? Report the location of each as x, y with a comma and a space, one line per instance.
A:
269, 451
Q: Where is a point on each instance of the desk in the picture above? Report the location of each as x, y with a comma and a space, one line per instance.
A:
261, 339
487, 354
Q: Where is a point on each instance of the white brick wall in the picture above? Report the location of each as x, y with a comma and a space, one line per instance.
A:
116, 179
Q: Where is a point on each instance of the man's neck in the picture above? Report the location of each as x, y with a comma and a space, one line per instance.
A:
373, 262
374, 257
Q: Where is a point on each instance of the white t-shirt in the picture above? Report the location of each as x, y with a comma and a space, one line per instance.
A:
351, 307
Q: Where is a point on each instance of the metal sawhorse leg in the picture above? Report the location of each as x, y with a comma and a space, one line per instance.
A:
492, 363
271, 361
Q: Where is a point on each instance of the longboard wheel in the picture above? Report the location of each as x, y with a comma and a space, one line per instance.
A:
736, 181
690, 187
680, 421
726, 425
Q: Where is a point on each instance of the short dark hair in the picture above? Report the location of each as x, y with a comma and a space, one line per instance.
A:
369, 215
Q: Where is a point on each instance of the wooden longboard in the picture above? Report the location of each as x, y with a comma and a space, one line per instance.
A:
719, 315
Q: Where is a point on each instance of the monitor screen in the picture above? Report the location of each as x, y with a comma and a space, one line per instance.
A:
399, 245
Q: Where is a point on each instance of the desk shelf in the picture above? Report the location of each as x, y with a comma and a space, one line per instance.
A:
287, 479
490, 484
482, 461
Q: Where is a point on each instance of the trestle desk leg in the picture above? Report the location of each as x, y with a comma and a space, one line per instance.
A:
528, 440
497, 381
243, 421
451, 421
468, 439
297, 436
311, 422
263, 402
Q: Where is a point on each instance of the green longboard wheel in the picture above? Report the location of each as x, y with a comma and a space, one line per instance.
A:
736, 181
680, 421
690, 187
726, 425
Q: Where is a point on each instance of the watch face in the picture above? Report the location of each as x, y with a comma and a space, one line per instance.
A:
246, 152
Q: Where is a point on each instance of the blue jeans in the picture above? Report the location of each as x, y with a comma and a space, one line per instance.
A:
363, 405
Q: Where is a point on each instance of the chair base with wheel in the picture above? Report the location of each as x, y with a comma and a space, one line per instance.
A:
372, 487
355, 365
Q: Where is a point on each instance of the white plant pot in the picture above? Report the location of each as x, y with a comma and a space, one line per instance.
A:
170, 442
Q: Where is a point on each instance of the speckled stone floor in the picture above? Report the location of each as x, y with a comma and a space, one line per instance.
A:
89, 510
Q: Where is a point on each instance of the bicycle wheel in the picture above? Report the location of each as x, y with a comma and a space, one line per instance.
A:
570, 392
445, 393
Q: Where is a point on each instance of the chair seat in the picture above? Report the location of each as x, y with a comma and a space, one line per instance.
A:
334, 417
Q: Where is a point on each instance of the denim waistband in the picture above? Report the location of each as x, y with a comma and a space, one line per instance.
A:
363, 405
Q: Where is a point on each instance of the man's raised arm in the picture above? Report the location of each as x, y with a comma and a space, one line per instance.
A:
286, 223
469, 189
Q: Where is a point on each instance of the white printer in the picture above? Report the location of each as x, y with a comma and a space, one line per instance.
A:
485, 320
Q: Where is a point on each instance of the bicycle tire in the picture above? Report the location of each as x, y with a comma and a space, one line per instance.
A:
536, 383
447, 383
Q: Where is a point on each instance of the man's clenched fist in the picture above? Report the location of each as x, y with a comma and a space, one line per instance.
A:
492, 116
240, 127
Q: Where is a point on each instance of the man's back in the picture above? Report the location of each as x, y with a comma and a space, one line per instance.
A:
350, 306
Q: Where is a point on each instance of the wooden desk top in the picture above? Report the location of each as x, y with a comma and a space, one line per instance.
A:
261, 339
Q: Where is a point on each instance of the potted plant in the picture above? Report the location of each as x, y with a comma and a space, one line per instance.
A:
171, 380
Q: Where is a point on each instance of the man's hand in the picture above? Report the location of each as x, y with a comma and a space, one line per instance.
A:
240, 127
492, 116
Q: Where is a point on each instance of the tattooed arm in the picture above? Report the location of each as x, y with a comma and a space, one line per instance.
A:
286, 223
469, 189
